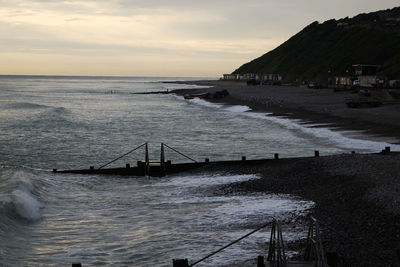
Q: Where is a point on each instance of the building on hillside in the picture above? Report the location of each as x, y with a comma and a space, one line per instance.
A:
344, 81
394, 84
271, 77
371, 81
262, 78
367, 76
393, 19
250, 76
342, 24
231, 77
365, 70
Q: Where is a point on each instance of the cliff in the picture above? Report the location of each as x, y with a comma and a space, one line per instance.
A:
328, 49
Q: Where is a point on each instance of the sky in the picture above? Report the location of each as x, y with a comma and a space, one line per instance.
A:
169, 38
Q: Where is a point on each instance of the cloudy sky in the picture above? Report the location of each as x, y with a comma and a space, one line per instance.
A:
202, 38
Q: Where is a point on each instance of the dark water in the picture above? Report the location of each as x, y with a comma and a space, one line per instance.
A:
73, 122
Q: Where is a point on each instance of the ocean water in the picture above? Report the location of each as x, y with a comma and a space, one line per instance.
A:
75, 122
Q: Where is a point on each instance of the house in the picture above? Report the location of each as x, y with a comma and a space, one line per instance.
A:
394, 84
367, 75
229, 77
265, 78
365, 70
371, 81
344, 81
342, 24
271, 77
250, 76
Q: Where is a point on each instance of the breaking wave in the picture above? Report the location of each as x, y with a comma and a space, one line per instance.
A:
17, 196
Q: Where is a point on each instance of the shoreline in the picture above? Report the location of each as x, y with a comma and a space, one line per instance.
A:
356, 194
316, 106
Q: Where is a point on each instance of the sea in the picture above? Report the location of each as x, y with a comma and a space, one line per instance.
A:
65, 122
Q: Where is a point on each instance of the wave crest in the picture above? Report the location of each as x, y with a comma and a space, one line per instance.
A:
26, 205
17, 198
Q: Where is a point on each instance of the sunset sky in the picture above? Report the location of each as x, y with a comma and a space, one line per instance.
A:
154, 37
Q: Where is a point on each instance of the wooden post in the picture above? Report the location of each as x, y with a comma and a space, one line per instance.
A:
316, 153
260, 261
146, 159
180, 263
162, 156
332, 259
276, 156
207, 160
397, 258
146, 155
244, 158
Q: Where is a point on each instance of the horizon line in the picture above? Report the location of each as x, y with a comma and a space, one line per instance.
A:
108, 76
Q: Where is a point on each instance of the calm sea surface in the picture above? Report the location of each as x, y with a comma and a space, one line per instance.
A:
75, 122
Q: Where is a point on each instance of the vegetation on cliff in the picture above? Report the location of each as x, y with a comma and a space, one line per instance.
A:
324, 50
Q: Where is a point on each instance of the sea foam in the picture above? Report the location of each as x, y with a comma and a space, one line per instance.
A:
26, 205
337, 138
17, 196
322, 132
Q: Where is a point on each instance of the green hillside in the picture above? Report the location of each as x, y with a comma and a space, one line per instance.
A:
327, 49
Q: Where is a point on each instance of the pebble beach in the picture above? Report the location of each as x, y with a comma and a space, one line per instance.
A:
356, 194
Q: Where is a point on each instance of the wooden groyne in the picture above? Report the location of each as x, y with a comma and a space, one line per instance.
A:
162, 167
313, 252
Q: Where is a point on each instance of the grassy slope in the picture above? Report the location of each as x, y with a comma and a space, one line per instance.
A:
320, 48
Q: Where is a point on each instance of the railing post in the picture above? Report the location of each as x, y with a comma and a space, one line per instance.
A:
146, 159
398, 257
276, 156
162, 156
276, 250
316, 153
180, 263
146, 156
243, 158
260, 261
332, 259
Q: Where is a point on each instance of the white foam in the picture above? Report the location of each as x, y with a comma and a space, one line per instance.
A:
207, 180
265, 204
238, 108
223, 107
225, 209
241, 207
202, 102
327, 135
26, 205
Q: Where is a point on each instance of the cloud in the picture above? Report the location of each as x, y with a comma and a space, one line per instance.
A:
226, 33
